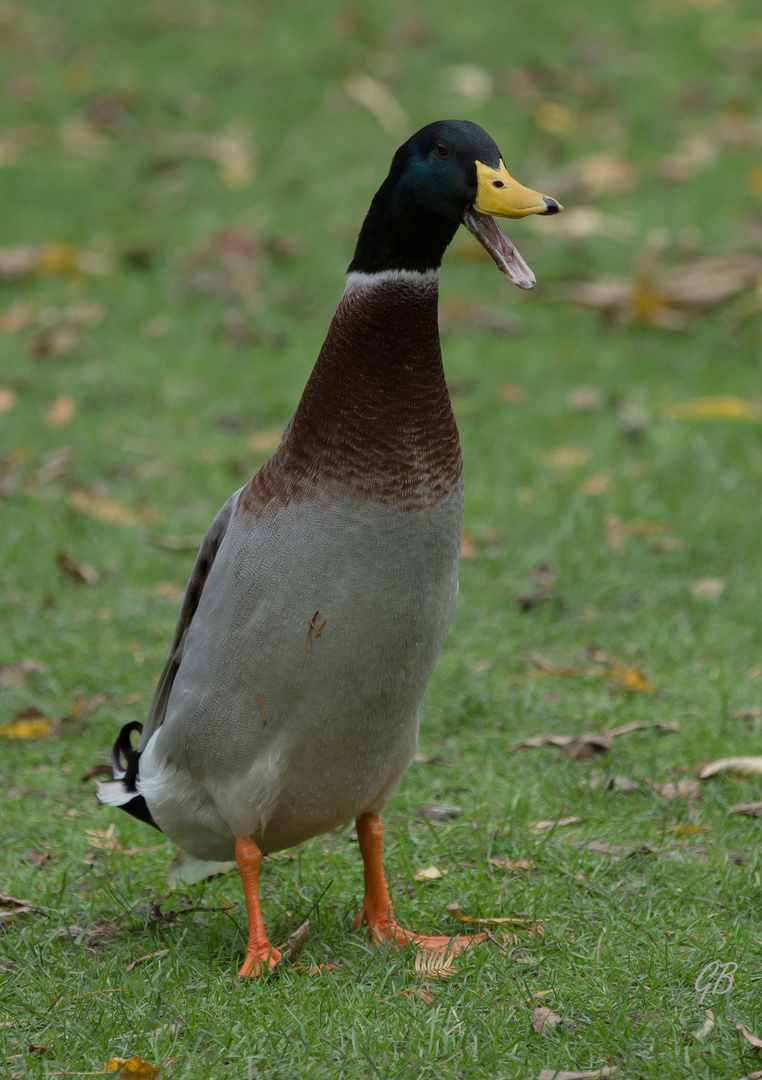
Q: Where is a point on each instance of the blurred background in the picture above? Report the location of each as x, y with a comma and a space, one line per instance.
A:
181, 186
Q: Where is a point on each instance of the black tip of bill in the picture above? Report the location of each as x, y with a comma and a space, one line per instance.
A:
552, 205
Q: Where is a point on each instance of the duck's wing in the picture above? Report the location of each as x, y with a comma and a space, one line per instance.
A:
122, 789
196, 582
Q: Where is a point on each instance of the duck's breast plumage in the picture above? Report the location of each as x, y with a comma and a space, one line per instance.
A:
275, 728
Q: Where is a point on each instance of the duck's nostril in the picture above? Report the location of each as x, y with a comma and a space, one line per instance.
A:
551, 204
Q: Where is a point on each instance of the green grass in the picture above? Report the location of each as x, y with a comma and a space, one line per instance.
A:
163, 427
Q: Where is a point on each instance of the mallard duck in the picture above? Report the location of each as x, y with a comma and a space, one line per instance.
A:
324, 588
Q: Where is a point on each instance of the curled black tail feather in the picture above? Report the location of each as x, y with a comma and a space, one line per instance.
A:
125, 763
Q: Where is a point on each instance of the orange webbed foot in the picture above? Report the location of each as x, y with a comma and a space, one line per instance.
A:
377, 910
259, 961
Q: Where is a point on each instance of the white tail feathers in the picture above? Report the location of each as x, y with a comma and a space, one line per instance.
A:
114, 793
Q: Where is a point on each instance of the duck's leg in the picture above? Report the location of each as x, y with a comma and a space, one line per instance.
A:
377, 909
260, 954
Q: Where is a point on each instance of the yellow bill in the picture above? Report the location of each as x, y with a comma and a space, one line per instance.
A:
500, 195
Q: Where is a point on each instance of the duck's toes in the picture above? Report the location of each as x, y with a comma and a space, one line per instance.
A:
393, 932
259, 961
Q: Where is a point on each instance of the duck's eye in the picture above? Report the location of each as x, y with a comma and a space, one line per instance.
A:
498, 183
441, 150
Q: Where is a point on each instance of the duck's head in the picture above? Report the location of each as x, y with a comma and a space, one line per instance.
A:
449, 173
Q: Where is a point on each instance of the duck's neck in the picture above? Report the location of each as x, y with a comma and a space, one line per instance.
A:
375, 417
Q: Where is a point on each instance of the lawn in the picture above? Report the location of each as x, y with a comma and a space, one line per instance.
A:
181, 184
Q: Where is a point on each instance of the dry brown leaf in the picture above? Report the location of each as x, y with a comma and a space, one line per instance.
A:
751, 809
8, 399
580, 223
61, 412
81, 573
599, 742
512, 393
428, 873
468, 548
134, 1068
540, 826
591, 1074
440, 812
293, 946
608, 783
509, 864
11, 907
747, 1035
148, 956
707, 589
706, 1028
599, 484
264, 442
433, 964
109, 511
554, 118
231, 151
545, 1020
565, 458
18, 674
744, 766
547, 667
672, 790
379, 101
493, 920
176, 543
581, 398
716, 407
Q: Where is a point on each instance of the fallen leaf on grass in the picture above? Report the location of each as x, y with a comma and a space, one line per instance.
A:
565, 458
61, 412
25, 259
293, 947
148, 956
718, 407
617, 530
263, 442
133, 1067
598, 742
434, 965
580, 398
176, 543
103, 840
631, 679
747, 1035
30, 723
545, 1020
512, 393
508, 864
11, 907
599, 484
706, 1028
751, 809
379, 101
81, 573
493, 920
18, 674
231, 151
671, 790
440, 812
553, 823
590, 1074
608, 783
428, 873
708, 588
744, 766
8, 399
109, 511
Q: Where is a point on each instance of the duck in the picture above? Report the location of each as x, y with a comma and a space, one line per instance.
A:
323, 591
